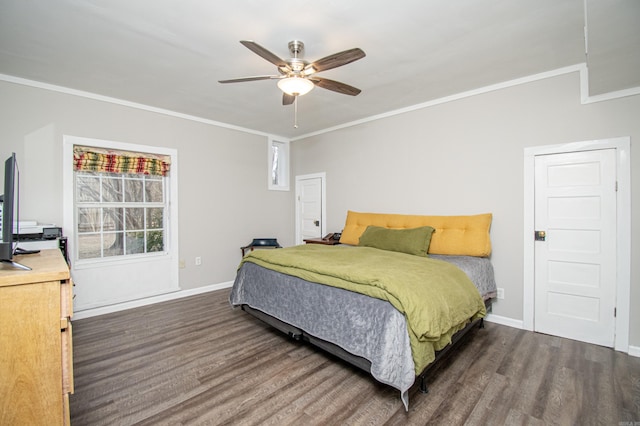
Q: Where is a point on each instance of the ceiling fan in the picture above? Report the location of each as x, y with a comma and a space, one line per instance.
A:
298, 76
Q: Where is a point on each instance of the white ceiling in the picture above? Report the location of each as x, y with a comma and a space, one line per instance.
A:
169, 54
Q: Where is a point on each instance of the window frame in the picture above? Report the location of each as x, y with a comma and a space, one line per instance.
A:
121, 204
70, 208
282, 166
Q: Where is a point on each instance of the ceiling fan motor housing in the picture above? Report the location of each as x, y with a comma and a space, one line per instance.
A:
296, 48
296, 63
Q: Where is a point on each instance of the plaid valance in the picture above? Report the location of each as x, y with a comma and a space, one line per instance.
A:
91, 159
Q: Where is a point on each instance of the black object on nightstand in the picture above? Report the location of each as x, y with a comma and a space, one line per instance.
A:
261, 243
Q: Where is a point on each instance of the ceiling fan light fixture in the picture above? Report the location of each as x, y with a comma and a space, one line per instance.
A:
295, 86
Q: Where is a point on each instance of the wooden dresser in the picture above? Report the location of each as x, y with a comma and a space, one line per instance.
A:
36, 358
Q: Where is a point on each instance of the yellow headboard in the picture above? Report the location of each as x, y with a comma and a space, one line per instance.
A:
454, 235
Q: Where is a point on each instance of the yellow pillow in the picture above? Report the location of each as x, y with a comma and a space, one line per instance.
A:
454, 235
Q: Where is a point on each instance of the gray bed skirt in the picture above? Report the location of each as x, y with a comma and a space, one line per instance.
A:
371, 333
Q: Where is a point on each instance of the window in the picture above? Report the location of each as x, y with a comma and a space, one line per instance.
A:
278, 163
119, 214
121, 204
130, 198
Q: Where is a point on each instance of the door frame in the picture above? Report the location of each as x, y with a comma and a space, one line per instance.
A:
323, 195
622, 146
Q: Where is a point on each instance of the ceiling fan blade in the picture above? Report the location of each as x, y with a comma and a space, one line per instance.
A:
336, 60
335, 86
264, 53
287, 99
256, 78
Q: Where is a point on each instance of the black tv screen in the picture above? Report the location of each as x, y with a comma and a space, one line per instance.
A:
6, 247
9, 206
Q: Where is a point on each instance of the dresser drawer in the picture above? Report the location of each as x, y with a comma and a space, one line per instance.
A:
67, 359
36, 353
66, 299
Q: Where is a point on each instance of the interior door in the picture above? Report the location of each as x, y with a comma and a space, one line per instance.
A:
575, 247
309, 205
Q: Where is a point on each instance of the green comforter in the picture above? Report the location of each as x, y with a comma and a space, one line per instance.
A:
436, 297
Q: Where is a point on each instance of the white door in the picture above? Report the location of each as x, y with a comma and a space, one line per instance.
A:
575, 259
309, 214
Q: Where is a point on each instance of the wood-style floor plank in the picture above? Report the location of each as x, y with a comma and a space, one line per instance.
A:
198, 361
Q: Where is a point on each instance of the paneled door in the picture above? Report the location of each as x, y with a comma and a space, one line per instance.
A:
309, 207
575, 247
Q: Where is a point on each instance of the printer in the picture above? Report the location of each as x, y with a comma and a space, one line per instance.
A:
32, 231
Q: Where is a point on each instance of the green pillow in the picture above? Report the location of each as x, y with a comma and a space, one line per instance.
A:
411, 241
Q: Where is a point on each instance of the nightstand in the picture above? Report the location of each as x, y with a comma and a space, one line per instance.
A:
327, 242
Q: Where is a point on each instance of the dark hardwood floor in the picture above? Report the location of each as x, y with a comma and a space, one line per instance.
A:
197, 361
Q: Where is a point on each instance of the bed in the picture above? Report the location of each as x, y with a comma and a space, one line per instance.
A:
390, 299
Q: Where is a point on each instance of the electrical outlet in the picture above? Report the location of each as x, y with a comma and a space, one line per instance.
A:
500, 293
181, 264
198, 261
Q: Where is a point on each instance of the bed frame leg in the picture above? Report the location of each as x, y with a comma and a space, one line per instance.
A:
423, 385
295, 336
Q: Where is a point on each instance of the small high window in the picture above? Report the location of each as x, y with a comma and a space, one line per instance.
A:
278, 165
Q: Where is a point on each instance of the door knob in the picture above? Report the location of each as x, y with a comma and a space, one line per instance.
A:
316, 222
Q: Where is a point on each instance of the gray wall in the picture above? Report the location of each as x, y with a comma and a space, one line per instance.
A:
223, 196
462, 157
466, 157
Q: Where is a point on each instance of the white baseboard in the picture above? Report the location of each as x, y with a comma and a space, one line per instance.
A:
634, 351
509, 322
496, 319
149, 300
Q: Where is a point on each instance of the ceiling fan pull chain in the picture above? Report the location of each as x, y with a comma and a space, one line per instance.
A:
295, 112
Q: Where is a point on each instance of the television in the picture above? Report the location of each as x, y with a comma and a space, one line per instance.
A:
10, 206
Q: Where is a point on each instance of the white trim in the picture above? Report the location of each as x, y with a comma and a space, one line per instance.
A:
150, 300
581, 68
622, 146
323, 189
584, 92
586, 98
455, 97
611, 95
68, 186
108, 99
509, 322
